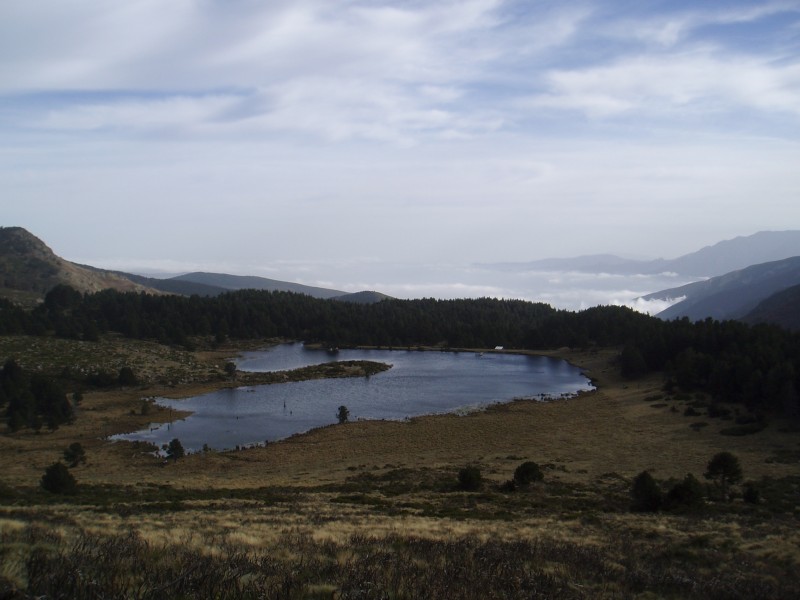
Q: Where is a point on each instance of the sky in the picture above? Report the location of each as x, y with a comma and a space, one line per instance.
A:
393, 145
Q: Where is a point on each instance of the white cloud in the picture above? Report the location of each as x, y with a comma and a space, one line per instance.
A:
648, 307
660, 85
671, 29
169, 112
444, 130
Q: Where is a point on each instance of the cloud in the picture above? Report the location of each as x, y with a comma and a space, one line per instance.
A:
660, 85
673, 28
649, 307
172, 112
420, 131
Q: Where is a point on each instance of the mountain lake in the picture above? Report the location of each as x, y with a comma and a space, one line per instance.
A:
419, 383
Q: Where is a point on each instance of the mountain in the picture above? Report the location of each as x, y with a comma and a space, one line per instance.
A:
247, 282
738, 253
176, 286
29, 269
214, 284
590, 263
730, 296
782, 308
366, 297
711, 261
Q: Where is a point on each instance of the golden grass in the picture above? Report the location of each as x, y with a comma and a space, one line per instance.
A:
611, 430
588, 444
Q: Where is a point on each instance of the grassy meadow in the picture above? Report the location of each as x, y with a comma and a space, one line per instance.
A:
372, 509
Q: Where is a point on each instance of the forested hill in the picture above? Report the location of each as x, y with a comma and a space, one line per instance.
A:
782, 308
731, 361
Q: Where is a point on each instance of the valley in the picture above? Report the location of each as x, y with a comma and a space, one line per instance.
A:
430, 506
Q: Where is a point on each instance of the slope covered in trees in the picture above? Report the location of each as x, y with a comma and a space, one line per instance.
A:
731, 361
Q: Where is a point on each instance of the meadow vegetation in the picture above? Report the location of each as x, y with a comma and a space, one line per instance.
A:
636, 490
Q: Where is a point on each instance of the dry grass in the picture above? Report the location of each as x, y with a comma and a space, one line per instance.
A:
395, 480
612, 430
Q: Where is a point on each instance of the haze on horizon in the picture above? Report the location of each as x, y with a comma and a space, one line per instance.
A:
391, 145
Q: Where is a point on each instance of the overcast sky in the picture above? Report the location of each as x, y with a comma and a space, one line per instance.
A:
292, 139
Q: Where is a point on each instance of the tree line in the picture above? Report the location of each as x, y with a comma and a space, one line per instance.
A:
733, 362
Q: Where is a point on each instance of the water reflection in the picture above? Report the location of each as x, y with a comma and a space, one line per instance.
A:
418, 383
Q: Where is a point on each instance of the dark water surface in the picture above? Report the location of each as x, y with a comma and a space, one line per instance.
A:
418, 383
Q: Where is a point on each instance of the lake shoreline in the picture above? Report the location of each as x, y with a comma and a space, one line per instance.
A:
428, 383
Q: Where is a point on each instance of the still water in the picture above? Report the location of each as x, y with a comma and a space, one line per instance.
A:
418, 383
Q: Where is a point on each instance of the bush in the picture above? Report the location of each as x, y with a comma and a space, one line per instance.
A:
75, 454
742, 430
724, 468
127, 377
751, 494
58, 480
717, 411
686, 494
343, 414
647, 496
527, 473
469, 479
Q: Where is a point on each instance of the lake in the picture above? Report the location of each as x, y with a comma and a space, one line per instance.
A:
419, 383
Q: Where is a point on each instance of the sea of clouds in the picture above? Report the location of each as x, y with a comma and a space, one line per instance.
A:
570, 290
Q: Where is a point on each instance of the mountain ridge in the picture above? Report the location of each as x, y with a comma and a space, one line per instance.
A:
730, 296
710, 261
254, 282
29, 269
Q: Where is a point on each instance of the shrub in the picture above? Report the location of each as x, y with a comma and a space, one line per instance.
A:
58, 480
741, 430
528, 472
343, 414
686, 494
508, 486
751, 494
724, 469
75, 454
469, 478
647, 496
127, 377
717, 411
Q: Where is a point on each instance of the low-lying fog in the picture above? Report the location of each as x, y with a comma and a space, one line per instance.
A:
569, 290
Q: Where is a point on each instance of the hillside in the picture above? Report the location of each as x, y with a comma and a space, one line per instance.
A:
365, 297
718, 259
244, 282
29, 269
782, 308
177, 286
730, 296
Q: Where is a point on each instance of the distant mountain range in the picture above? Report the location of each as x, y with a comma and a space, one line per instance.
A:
213, 284
733, 295
768, 291
29, 269
747, 276
711, 261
